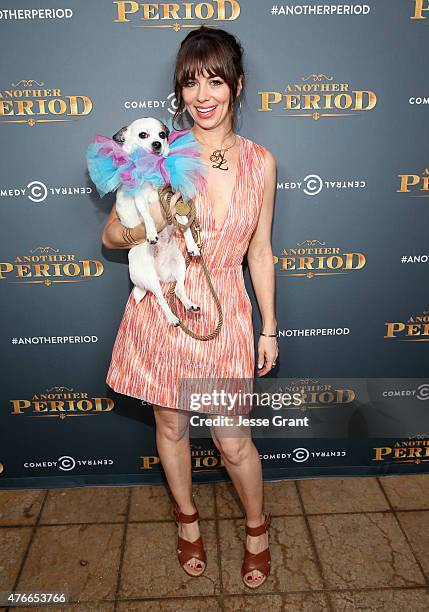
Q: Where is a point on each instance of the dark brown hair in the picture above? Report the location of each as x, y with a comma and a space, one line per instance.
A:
216, 51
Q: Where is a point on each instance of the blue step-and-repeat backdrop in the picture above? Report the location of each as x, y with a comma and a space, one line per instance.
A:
338, 92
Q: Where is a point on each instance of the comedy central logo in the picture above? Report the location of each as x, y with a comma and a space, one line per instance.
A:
312, 258
149, 104
38, 191
48, 266
317, 96
313, 184
414, 329
415, 184
172, 15
30, 102
403, 451
61, 402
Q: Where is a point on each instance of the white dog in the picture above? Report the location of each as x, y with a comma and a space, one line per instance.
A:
159, 257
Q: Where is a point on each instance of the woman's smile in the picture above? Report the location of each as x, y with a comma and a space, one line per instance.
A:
205, 112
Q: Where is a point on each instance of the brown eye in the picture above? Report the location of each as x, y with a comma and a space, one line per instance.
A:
143, 135
163, 135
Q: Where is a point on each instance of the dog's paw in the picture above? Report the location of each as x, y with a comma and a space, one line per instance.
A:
194, 308
173, 321
153, 239
195, 252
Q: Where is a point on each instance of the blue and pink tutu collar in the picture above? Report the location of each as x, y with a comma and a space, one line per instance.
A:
110, 167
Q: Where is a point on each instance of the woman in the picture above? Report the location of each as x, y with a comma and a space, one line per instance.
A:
241, 182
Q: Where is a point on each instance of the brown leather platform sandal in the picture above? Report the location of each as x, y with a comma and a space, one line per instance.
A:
257, 561
185, 549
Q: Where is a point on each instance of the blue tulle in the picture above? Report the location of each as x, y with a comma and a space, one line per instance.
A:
110, 167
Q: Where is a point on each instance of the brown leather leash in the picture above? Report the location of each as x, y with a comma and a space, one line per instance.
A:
188, 210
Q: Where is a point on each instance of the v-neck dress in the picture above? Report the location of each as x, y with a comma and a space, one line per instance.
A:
150, 357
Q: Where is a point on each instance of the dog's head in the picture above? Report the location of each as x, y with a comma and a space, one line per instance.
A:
147, 133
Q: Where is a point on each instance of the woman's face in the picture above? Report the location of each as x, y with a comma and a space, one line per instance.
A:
207, 100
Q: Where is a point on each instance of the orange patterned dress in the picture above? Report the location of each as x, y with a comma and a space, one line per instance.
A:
150, 357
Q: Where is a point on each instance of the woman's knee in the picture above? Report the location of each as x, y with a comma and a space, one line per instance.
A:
171, 424
234, 450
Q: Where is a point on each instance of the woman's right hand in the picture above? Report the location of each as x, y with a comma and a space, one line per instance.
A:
112, 237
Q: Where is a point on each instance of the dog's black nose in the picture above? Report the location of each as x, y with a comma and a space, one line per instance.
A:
156, 145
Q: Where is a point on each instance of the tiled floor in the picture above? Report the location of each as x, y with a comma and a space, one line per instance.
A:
342, 545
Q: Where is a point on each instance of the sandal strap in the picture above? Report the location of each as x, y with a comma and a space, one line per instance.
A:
260, 529
190, 549
260, 561
185, 518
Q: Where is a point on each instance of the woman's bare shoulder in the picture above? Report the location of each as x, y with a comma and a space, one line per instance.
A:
268, 156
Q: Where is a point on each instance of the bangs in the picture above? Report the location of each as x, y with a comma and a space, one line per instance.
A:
204, 55
209, 52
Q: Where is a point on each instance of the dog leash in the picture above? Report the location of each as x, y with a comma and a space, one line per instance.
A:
188, 210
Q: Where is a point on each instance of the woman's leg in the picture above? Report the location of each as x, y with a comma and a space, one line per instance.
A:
242, 461
172, 441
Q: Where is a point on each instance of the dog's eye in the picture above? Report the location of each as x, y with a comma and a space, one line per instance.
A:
163, 135
143, 135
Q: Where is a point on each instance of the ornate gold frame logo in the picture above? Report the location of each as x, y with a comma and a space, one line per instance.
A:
313, 98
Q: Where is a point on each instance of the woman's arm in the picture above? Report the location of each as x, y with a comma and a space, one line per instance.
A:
261, 267
112, 237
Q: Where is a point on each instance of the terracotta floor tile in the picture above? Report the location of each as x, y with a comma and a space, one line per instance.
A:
194, 604
293, 566
412, 600
410, 492
151, 567
13, 544
20, 507
327, 495
85, 505
280, 498
416, 526
81, 559
364, 550
252, 603
297, 602
153, 503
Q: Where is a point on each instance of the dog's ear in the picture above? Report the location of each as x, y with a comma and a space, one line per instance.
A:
120, 136
165, 128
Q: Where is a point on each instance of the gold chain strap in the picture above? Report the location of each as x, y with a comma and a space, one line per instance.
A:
188, 209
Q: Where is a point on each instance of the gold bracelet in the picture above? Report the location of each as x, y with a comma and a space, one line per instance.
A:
269, 335
124, 235
128, 237
133, 240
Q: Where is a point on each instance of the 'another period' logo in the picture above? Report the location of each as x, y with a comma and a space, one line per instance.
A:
174, 15
48, 266
31, 102
317, 96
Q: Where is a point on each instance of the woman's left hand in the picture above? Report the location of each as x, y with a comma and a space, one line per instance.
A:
267, 354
